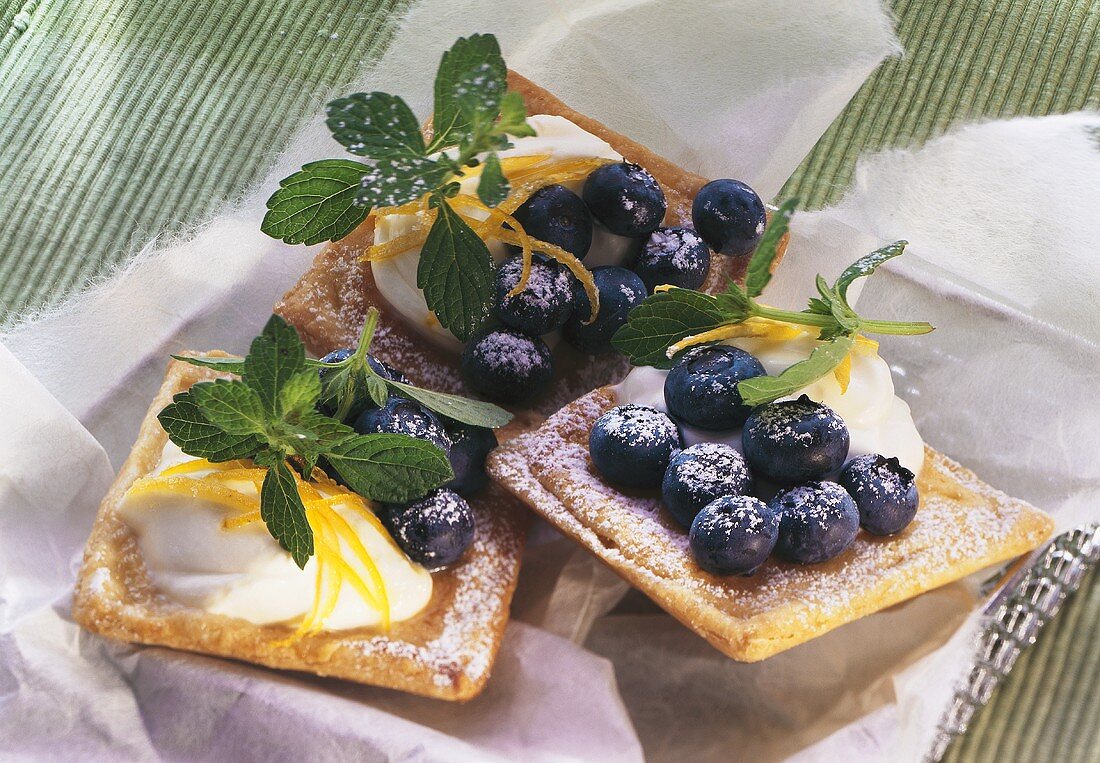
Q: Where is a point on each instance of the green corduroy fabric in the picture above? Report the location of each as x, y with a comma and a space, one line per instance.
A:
123, 120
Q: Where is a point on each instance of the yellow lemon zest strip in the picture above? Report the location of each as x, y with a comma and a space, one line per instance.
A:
565, 258
843, 373
195, 488
364, 510
199, 464
752, 327
241, 520
347, 533
866, 344
508, 164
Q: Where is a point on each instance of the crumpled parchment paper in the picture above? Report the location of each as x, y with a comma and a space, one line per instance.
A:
1001, 261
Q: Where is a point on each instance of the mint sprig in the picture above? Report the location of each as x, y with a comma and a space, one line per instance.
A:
474, 117
666, 318
270, 415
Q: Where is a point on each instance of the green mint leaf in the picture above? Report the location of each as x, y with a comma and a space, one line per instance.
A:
819, 307
311, 435
825, 357
392, 468
300, 393
377, 390
392, 182
472, 69
867, 265
232, 406
378, 125
513, 116
455, 273
759, 270
734, 300
228, 365
188, 428
275, 356
341, 392
493, 187
317, 204
283, 512
474, 412
662, 320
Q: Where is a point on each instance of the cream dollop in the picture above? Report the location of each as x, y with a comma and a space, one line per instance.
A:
878, 421
555, 136
244, 573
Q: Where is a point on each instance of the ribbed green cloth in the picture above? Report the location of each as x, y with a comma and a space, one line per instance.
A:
123, 120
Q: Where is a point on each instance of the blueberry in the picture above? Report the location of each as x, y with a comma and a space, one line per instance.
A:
506, 365
625, 198
817, 521
556, 215
469, 447
544, 303
631, 445
701, 388
620, 291
402, 416
700, 474
434, 531
729, 216
794, 441
675, 256
733, 535
884, 490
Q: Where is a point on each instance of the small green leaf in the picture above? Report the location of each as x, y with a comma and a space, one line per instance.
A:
468, 60
819, 307
317, 204
301, 392
274, 357
867, 265
392, 182
734, 301
377, 390
196, 436
662, 320
513, 116
228, 365
825, 357
392, 468
493, 187
759, 270
456, 274
232, 406
378, 125
283, 512
474, 412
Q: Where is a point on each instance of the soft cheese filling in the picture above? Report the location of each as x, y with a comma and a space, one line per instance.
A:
203, 545
557, 139
878, 421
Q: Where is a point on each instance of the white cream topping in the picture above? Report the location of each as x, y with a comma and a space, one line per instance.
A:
878, 421
555, 136
244, 573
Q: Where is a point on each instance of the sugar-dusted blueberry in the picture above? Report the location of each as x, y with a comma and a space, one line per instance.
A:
469, 447
542, 305
700, 474
733, 535
884, 490
506, 365
675, 256
625, 198
701, 388
794, 441
817, 521
729, 216
434, 531
631, 445
556, 215
621, 290
402, 416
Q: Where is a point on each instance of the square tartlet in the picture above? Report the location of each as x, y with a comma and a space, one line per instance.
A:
446, 651
963, 525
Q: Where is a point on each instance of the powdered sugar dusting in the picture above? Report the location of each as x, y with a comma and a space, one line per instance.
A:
962, 526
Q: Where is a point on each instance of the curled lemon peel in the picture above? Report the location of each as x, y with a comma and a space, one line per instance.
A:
331, 531
843, 373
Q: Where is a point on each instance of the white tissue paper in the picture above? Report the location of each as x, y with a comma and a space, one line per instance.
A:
1001, 217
